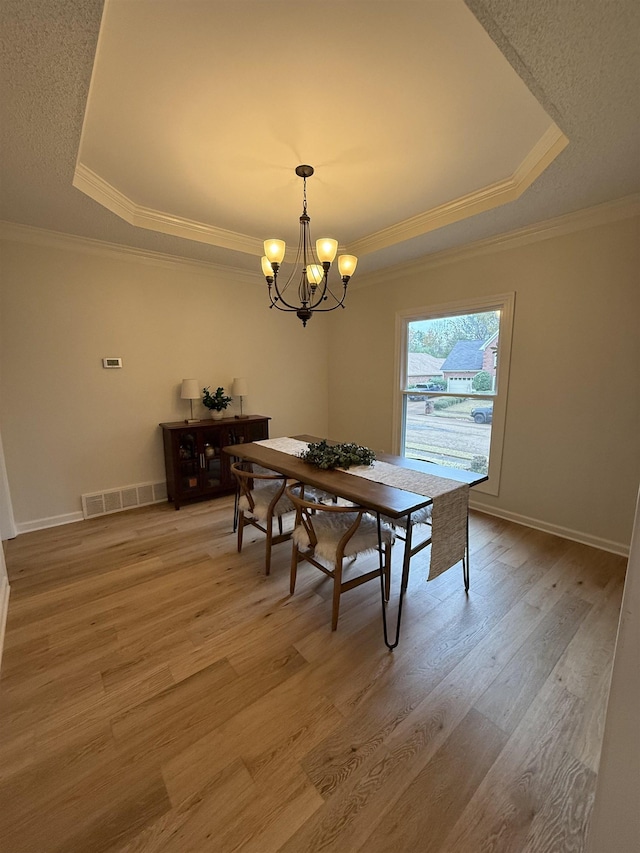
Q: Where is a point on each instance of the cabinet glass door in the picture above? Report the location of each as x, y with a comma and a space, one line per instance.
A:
237, 434
211, 462
189, 462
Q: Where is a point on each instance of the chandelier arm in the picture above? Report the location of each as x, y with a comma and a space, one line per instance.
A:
279, 301
339, 304
280, 298
313, 302
338, 300
319, 298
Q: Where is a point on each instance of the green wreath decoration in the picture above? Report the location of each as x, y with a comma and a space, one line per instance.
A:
329, 456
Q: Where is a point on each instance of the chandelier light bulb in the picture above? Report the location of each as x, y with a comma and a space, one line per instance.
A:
347, 265
315, 274
274, 250
267, 269
326, 249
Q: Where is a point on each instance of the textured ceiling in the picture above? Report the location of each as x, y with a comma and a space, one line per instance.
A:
579, 58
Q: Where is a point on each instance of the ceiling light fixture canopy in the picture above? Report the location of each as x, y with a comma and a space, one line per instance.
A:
311, 268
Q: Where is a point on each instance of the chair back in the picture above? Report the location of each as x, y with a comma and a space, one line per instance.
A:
260, 501
252, 479
327, 533
329, 524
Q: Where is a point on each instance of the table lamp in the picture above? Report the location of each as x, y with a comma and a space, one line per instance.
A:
190, 390
239, 389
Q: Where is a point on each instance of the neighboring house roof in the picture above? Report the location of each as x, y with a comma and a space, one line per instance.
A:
423, 364
466, 355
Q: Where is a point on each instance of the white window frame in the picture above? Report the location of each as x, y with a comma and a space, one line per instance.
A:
505, 303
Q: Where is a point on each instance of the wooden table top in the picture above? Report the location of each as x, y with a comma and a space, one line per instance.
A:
379, 497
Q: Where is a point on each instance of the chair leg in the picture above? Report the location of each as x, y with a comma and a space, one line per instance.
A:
236, 510
337, 585
240, 529
267, 559
294, 569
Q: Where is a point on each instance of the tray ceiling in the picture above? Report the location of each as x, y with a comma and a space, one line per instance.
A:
198, 114
579, 58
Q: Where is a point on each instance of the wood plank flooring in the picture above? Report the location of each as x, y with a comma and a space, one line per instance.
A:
159, 693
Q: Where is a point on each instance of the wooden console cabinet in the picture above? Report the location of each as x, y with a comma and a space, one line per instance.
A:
196, 467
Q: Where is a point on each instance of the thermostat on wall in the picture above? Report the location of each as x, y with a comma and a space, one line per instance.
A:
112, 362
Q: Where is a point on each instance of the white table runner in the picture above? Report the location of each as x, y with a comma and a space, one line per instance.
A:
450, 501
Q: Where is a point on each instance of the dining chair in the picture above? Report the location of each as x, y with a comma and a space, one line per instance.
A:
261, 499
327, 534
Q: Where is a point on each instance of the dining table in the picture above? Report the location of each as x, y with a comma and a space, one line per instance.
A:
389, 502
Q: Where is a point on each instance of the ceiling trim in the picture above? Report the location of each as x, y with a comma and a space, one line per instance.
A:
602, 214
552, 142
55, 239
91, 184
591, 217
541, 155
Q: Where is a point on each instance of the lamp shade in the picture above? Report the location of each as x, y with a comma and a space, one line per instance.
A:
315, 273
326, 249
190, 389
267, 269
239, 387
274, 250
347, 264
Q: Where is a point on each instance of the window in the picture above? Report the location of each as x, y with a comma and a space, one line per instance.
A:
453, 369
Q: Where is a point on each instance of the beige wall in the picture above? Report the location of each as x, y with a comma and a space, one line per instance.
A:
571, 455
572, 444
70, 427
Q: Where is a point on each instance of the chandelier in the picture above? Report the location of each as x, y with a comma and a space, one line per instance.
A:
310, 271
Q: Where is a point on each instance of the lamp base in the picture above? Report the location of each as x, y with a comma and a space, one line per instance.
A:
237, 417
192, 420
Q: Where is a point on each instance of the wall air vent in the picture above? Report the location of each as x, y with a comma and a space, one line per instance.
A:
117, 500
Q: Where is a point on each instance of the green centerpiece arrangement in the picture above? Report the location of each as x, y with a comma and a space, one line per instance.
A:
329, 456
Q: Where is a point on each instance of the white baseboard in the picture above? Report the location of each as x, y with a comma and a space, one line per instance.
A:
52, 521
4, 607
554, 529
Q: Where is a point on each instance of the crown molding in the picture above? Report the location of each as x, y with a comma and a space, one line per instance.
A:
552, 142
591, 217
58, 240
602, 214
108, 196
543, 153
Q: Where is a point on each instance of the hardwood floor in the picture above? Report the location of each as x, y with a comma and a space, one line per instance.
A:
159, 693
